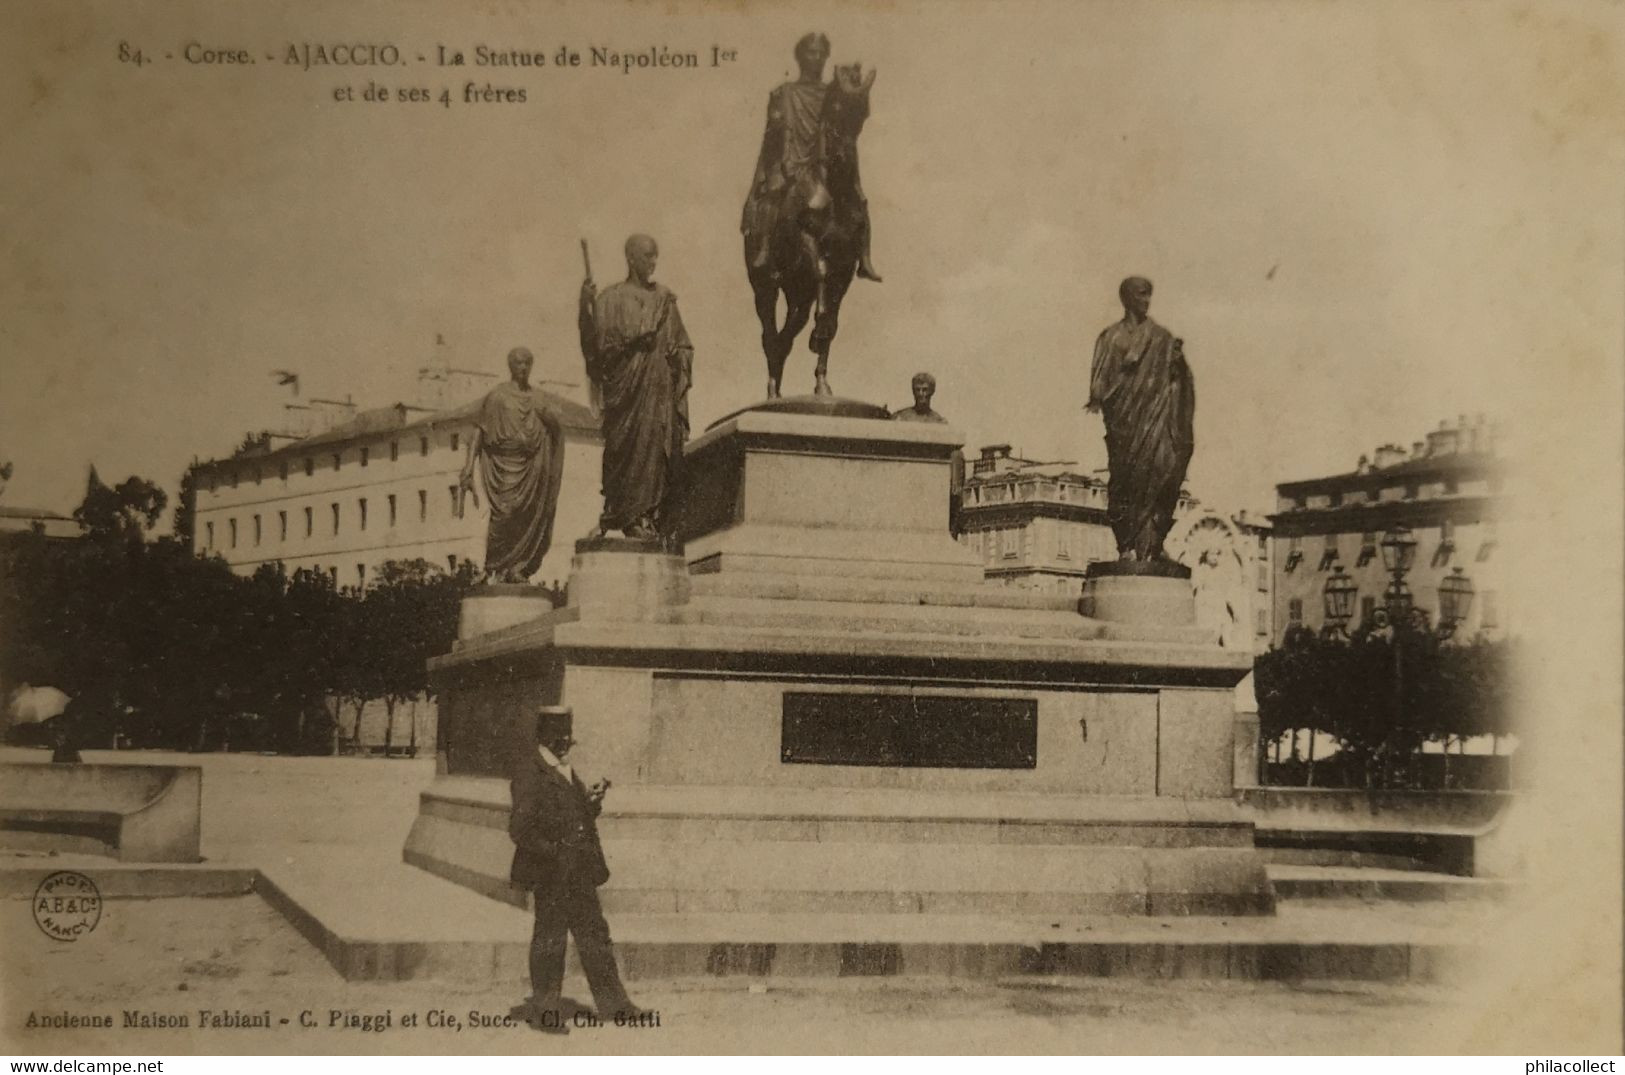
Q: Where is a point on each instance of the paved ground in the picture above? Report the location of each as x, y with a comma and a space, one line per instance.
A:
180, 956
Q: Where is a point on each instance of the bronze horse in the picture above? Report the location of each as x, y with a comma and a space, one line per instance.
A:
816, 235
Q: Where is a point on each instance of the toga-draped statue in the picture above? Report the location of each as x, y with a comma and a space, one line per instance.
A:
640, 361
521, 446
1142, 386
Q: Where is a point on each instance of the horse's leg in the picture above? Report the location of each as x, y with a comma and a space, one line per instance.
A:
831, 291
797, 313
767, 311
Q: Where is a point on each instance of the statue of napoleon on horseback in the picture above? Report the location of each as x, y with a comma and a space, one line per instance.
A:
806, 221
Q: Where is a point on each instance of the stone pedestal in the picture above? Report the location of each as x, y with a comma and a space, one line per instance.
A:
1151, 593
494, 606
626, 579
831, 704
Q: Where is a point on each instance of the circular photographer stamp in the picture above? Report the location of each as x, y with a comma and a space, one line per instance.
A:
67, 905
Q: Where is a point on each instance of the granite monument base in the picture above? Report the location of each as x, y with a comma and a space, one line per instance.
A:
831, 712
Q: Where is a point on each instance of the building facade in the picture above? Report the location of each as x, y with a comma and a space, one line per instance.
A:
1038, 527
342, 491
1448, 489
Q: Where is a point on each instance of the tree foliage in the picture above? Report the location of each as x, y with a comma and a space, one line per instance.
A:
162, 648
1381, 696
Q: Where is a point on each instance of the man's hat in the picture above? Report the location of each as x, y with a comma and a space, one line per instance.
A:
553, 721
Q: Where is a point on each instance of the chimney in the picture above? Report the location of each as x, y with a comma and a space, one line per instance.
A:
1418, 449
1388, 455
330, 413
298, 420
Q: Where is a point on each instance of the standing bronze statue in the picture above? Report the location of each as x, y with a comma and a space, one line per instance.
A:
521, 446
806, 220
1142, 386
641, 362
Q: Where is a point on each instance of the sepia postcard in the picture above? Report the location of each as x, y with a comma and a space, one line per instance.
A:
727, 527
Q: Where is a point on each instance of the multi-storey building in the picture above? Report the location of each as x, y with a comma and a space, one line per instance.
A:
343, 490
1448, 489
1038, 526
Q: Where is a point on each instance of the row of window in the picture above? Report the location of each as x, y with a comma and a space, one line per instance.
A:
332, 522
1370, 542
1411, 490
257, 471
1489, 609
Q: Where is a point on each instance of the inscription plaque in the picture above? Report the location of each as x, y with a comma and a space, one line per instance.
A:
909, 731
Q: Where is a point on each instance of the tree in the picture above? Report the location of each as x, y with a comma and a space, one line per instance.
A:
123, 513
409, 615
184, 526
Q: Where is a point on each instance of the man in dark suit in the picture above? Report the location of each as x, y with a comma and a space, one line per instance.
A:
558, 858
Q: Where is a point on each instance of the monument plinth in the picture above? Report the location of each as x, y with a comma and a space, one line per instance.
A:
1144, 592
831, 710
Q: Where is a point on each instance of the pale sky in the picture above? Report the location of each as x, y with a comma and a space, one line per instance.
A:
1362, 218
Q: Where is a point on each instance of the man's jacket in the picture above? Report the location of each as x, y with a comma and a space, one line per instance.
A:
553, 828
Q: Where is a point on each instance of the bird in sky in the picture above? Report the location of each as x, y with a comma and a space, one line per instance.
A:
287, 377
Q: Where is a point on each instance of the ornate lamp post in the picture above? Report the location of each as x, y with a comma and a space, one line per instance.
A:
1398, 554
1455, 601
1338, 594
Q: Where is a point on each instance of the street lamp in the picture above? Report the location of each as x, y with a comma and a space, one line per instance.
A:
1455, 600
1338, 594
1398, 553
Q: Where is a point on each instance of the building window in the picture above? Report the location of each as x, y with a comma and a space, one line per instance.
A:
310, 521
1447, 543
234, 479
282, 526
1294, 610
452, 490
361, 504
333, 573
391, 509
451, 563
1262, 622
233, 525
364, 454
1451, 487
259, 475
423, 504
335, 509
1368, 548
1374, 494
1411, 490
1335, 500
282, 470
1294, 552
1487, 546
1299, 503
310, 465
1329, 556
423, 445
1263, 575
454, 442
361, 576
1489, 609
256, 529
1368, 609
336, 461
394, 450
208, 535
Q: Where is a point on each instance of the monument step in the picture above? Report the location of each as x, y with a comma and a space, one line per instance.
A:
705, 802
856, 618
408, 924
1342, 858
1375, 883
783, 876
877, 591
